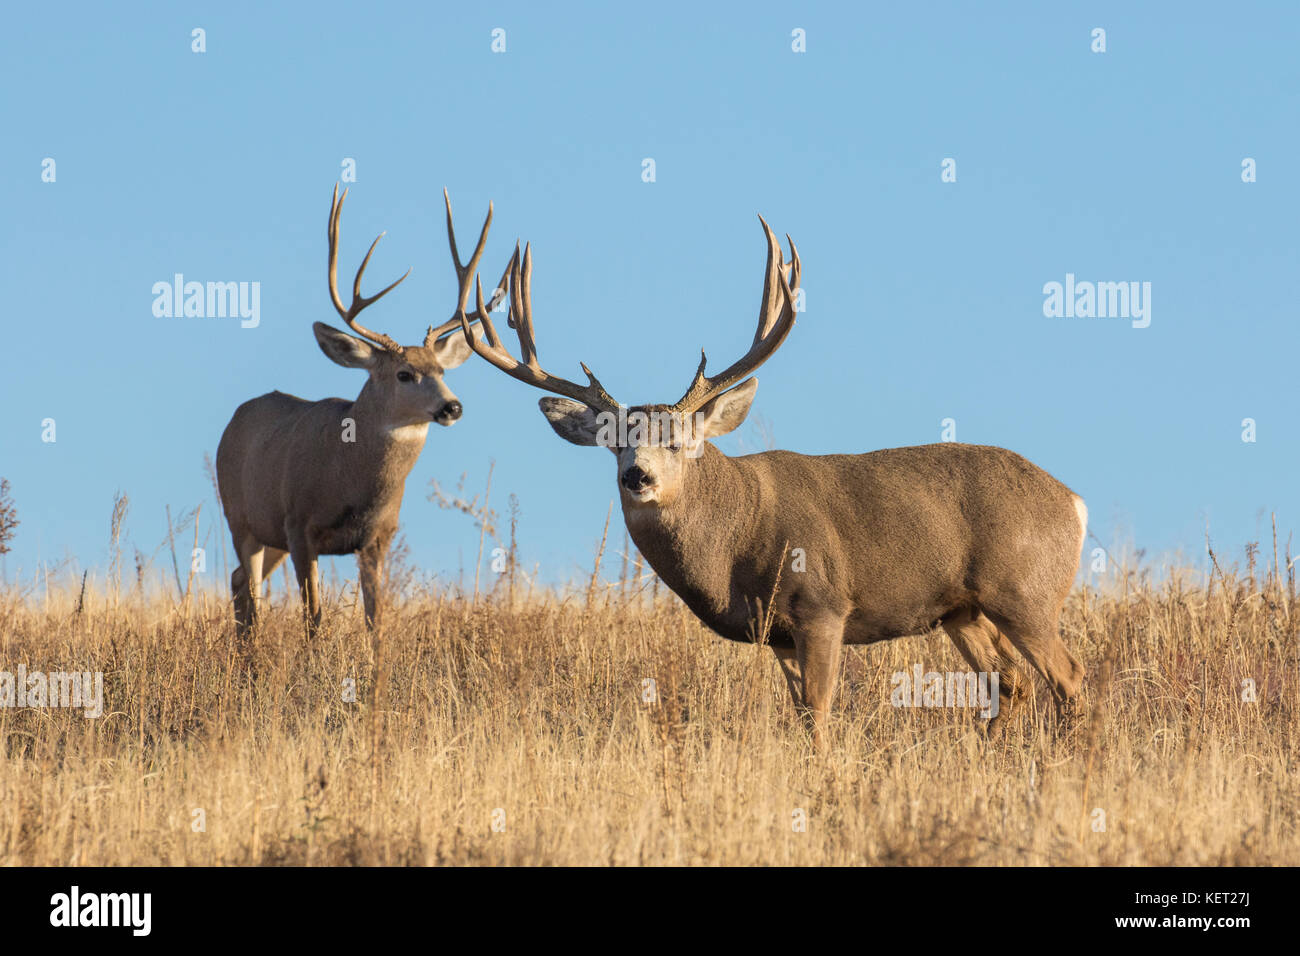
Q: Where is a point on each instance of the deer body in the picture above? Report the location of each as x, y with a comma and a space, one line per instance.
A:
889, 543
310, 478
291, 457
303, 478
893, 541
291, 485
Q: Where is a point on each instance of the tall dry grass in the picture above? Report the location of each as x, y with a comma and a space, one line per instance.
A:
533, 716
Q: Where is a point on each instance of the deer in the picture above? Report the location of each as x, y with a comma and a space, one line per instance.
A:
309, 478
809, 553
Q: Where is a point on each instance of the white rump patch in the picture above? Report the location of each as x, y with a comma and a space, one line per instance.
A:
1082, 511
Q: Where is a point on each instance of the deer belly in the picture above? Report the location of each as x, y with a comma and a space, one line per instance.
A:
743, 625
868, 627
344, 534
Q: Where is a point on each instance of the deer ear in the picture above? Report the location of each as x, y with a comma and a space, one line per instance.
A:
572, 421
720, 415
452, 350
346, 350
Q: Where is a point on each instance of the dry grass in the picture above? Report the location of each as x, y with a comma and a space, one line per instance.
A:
539, 713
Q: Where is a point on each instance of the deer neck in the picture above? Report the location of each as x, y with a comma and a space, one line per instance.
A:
393, 449
692, 542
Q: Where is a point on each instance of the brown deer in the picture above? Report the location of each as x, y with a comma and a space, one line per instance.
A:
310, 478
893, 542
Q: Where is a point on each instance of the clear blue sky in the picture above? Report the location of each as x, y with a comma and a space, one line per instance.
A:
924, 298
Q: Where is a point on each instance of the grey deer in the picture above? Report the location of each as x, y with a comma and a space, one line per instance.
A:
970, 537
309, 478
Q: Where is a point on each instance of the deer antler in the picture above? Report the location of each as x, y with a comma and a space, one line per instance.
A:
776, 316
521, 320
464, 275
359, 302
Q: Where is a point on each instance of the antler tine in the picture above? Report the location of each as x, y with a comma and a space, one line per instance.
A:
500, 291
795, 266
768, 310
465, 274
359, 302
529, 370
491, 338
521, 318
776, 316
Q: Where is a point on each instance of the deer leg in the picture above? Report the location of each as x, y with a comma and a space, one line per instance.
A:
818, 640
370, 569
313, 607
271, 560
988, 652
787, 657
308, 574
243, 606
1035, 637
250, 587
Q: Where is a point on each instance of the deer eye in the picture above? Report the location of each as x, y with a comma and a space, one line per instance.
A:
405, 376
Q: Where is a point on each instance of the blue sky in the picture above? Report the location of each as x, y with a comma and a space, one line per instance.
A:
924, 298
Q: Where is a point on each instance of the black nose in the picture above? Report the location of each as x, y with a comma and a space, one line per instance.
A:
634, 479
450, 412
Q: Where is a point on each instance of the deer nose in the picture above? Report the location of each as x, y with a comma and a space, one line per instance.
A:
449, 412
634, 479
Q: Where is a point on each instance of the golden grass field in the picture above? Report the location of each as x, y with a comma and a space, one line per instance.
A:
531, 716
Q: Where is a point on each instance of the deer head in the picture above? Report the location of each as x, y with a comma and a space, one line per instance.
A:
406, 381
654, 444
